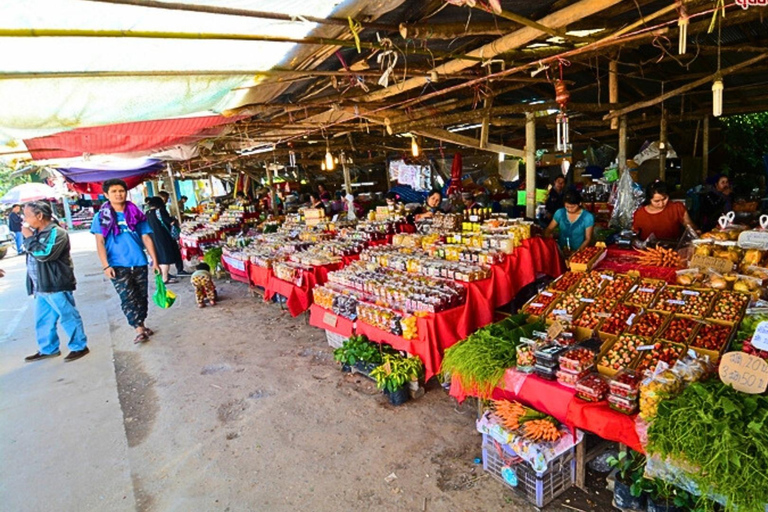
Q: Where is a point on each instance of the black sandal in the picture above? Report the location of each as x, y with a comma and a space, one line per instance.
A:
141, 338
148, 331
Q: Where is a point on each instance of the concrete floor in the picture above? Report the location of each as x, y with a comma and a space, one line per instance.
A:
234, 408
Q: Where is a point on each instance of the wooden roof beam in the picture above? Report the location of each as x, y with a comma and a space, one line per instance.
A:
685, 88
558, 19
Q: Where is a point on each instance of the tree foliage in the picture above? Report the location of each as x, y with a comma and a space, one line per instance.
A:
745, 143
6, 182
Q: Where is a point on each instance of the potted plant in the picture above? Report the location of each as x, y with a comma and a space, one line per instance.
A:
393, 375
351, 352
629, 470
665, 497
416, 368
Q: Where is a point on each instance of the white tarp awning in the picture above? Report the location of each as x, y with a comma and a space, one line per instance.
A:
34, 107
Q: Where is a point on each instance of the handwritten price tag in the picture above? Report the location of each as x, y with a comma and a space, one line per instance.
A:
760, 338
555, 329
745, 372
330, 319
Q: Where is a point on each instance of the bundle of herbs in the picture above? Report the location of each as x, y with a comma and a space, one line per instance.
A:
479, 362
212, 258
724, 433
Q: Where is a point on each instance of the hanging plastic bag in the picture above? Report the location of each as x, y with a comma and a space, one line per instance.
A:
626, 199
163, 297
351, 214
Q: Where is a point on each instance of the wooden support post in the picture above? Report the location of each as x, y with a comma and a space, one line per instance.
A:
172, 193
622, 143
705, 150
271, 185
663, 146
613, 88
347, 179
696, 138
581, 464
530, 165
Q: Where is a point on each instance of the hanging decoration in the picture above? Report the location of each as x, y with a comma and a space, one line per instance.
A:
562, 96
387, 60
355, 27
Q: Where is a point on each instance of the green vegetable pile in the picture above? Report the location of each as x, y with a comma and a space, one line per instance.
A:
725, 433
479, 362
212, 258
358, 348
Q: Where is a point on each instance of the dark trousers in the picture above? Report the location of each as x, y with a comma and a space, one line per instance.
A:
132, 286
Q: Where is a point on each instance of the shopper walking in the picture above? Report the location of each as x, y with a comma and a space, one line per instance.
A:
165, 246
122, 233
172, 220
14, 224
51, 279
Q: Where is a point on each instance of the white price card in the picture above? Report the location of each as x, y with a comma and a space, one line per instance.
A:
760, 338
745, 372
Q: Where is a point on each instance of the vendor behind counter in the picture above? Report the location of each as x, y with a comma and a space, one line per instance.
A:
659, 217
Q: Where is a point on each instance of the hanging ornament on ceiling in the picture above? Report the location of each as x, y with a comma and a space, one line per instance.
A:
562, 96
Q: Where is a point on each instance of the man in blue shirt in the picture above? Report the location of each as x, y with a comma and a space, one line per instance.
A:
122, 234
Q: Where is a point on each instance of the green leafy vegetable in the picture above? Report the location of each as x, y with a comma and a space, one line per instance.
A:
479, 362
724, 433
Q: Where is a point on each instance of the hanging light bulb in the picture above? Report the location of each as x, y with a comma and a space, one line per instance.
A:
335, 160
563, 138
682, 25
322, 166
329, 160
717, 97
414, 147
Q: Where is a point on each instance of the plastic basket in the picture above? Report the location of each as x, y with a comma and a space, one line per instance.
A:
335, 340
538, 488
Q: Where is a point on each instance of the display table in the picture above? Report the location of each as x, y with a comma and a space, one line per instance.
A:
439, 331
259, 276
238, 269
328, 321
560, 402
625, 260
298, 298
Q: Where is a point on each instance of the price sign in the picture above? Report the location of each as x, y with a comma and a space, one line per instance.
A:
760, 338
753, 240
719, 265
555, 329
745, 372
330, 319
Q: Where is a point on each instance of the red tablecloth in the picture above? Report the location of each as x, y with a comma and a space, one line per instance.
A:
299, 298
425, 346
238, 269
559, 401
546, 256
624, 260
259, 275
324, 319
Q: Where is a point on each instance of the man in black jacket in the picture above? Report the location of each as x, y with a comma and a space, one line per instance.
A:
51, 279
14, 224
